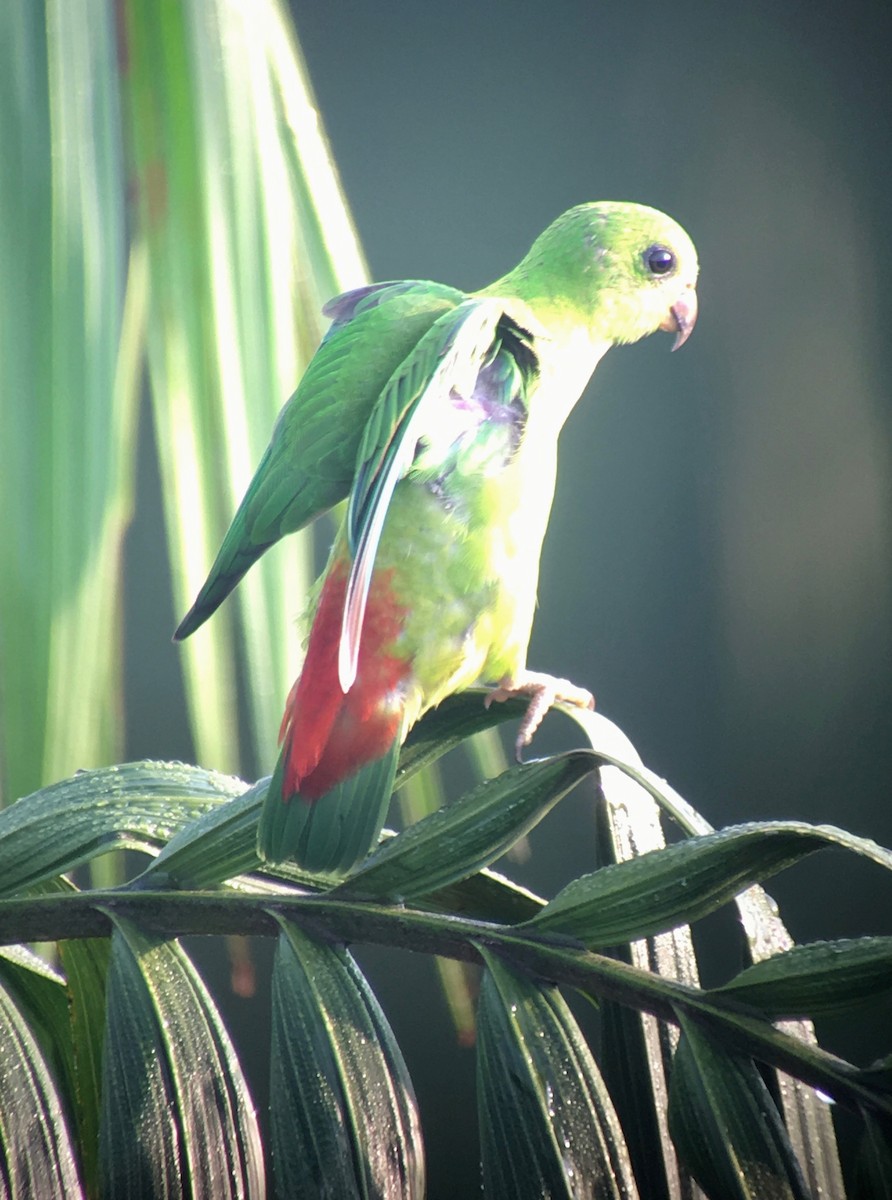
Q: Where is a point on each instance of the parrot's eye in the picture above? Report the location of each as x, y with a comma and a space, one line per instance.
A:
659, 260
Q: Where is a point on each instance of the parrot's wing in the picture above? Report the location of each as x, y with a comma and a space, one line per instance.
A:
441, 372
308, 466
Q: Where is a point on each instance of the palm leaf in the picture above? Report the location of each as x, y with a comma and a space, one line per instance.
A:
67, 401
247, 235
159, 1013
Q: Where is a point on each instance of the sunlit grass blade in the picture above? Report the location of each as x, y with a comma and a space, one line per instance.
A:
248, 234
66, 423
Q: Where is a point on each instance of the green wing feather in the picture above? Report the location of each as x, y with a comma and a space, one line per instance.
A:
446, 361
309, 464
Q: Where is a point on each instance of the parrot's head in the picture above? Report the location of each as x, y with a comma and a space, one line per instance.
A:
625, 270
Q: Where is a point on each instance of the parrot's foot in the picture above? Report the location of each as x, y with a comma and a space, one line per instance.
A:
544, 691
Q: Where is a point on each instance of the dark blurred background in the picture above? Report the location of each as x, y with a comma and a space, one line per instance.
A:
719, 563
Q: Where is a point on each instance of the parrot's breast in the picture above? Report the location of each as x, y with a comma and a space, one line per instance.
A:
461, 546
464, 530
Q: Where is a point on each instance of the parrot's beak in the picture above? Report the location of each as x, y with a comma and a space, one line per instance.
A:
682, 318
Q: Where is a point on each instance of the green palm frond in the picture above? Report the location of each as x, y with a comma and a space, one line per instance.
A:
550, 1110
67, 400
247, 234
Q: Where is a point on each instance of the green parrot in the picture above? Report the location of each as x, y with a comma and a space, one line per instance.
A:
436, 414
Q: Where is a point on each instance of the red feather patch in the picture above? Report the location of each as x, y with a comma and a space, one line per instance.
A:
328, 735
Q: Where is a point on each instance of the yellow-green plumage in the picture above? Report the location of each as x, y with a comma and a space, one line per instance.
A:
437, 414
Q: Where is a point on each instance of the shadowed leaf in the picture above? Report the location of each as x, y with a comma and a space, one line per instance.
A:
725, 1125
176, 1115
547, 1124
818, 980
343, 1112
462, 837
682, 883
36, 1155
873, 1169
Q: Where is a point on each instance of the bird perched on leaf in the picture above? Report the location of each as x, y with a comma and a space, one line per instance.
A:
436, 414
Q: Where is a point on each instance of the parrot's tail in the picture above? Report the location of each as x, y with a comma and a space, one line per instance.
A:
330, 835
329, 793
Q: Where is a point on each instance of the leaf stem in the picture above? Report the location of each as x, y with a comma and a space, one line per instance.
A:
176, 914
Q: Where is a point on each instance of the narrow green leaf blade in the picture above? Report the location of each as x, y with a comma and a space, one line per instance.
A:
66, 1014
177, 1119
636, 1049
165, 151
248, 233
547, 1123
684, 882
36, 985
806, 1113
139, 1131
469, 834
632, 1055
68, 452
343, 1112
873, 1167
36, 1155
488, 896
137, 805
217, 845
725, 1125
86, 962
38, 991
817, 980
452, 722
222, 845
420, 797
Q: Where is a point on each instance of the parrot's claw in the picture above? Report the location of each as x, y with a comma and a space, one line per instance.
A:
544, 691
